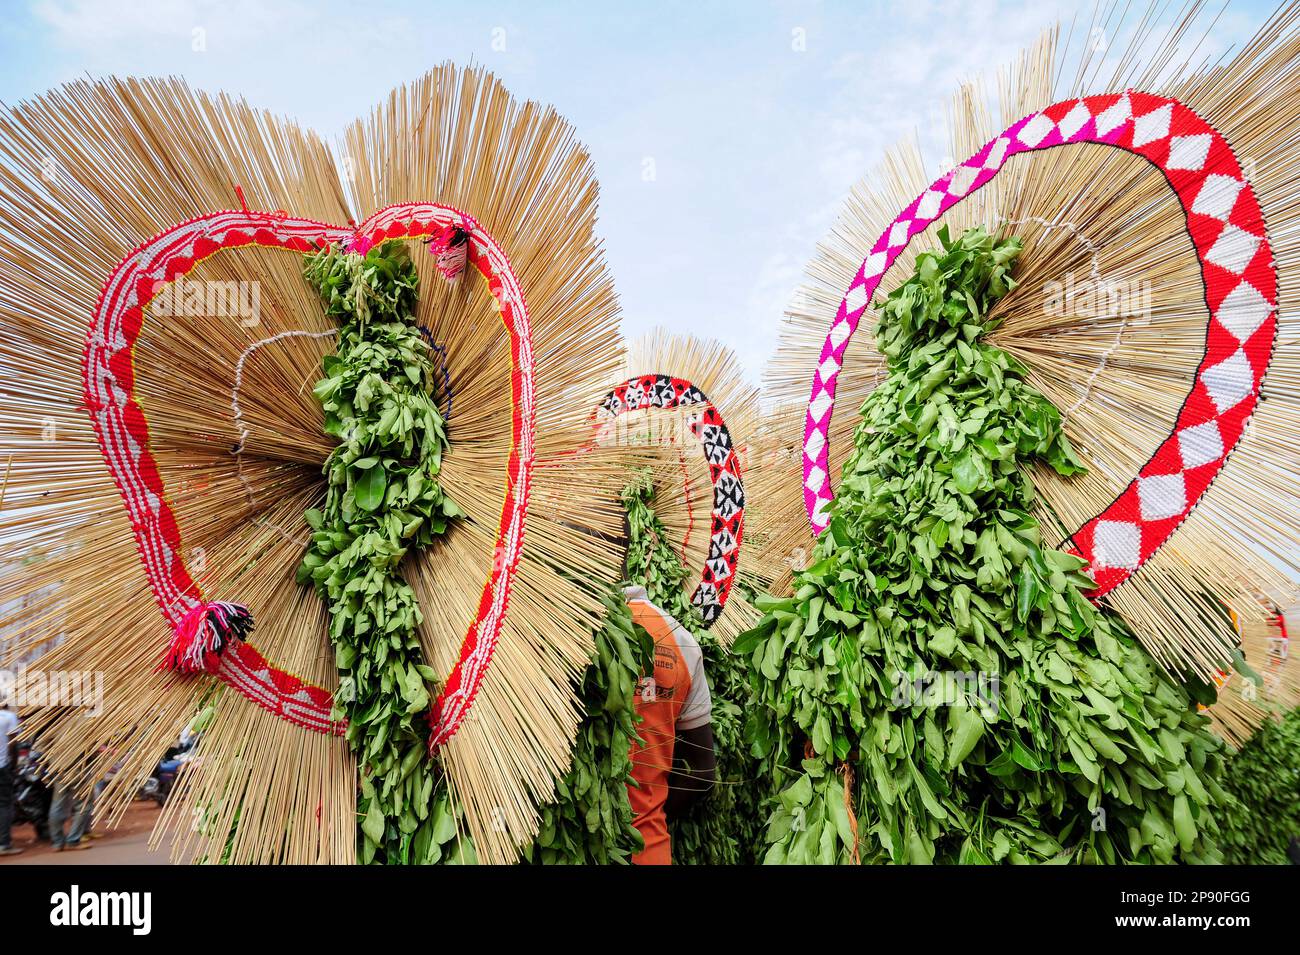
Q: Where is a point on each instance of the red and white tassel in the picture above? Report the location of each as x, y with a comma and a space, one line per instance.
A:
451, 247
203, 633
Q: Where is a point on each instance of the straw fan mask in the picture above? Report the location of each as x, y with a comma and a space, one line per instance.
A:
210, 635
289, 400
687, 431
1225, 230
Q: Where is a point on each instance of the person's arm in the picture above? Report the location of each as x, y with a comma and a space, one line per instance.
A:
694, 763
694, 771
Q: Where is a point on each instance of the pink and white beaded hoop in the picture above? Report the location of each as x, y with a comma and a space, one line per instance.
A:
1227, 229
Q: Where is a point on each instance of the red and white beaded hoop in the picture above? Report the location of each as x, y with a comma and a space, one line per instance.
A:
727, 518
123, 432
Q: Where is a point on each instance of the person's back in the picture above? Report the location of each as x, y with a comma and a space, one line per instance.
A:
9, 727
8, 732
676, 713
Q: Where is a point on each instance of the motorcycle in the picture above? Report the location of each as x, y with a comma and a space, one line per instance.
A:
32, 795
159, 786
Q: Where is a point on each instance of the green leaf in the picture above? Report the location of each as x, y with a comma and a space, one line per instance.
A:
373, 823
369, 489
966, 473
1184, 825
965, 730
1025, 758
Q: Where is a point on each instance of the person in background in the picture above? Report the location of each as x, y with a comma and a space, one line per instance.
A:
675, 765
67, 803
9, 727
85, 821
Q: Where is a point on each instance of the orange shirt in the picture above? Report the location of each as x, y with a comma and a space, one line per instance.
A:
675, 697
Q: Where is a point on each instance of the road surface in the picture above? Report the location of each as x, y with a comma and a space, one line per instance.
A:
128, 844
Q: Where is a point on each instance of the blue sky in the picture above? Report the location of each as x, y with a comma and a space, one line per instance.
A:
754, 118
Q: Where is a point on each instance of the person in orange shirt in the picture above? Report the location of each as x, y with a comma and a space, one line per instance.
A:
674, 765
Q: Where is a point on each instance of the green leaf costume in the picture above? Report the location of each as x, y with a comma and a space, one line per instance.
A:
941, 660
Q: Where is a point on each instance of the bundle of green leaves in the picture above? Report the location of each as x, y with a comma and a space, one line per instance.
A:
1262, 816
590, 821
383, 500
938, 658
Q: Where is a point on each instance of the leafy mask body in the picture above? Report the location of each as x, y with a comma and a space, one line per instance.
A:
590, 821
939, 688
383, 500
